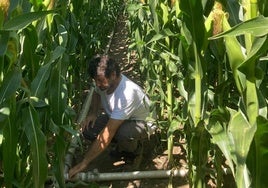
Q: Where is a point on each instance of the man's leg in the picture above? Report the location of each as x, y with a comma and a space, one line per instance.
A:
91, 132
130, 136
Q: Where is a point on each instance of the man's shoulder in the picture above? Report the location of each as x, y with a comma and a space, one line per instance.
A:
129, 82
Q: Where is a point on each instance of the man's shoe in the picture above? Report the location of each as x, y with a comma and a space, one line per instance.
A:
122, 154
127, 155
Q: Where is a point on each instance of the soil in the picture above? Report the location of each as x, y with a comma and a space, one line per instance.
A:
154, 156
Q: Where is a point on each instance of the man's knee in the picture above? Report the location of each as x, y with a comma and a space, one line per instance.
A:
89, 135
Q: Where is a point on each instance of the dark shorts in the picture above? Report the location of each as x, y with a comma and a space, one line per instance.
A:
128, 136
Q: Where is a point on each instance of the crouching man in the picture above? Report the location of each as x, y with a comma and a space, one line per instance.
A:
126, 108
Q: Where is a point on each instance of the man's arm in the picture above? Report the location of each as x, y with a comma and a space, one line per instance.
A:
93, 110
98, 146
95, 104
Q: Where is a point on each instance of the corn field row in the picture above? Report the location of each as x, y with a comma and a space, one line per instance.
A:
205, 67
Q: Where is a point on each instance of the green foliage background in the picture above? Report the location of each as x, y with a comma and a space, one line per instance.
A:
204, 66
43, 50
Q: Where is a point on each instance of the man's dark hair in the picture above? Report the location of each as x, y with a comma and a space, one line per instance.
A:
103, 64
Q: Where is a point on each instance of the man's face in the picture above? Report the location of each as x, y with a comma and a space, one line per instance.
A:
104, 83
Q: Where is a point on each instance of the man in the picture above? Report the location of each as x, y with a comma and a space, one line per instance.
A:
126, 108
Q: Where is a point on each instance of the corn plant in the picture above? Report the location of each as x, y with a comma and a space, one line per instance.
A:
222, 100
44, 45
247, 124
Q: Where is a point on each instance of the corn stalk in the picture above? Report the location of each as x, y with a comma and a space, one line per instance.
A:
39, 72
222, 105
243, 68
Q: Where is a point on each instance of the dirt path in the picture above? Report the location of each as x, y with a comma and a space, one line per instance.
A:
154, 157
119, 50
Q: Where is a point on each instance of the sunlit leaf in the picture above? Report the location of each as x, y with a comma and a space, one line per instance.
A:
174, 125
162, 34
220, 136
172, 67
164, 8
23, 20
4, 113
242, 134
259, 47
257, 26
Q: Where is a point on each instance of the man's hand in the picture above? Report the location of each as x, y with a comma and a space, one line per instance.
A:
98, 146
89, 120
76, 169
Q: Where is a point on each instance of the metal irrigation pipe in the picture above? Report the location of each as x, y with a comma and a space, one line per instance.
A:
95, 176
74, 142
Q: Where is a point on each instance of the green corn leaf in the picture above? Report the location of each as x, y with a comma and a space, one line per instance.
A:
262, 103
165, 13
9, 146
62, 32
235, 55
10, 84
182, 90
37, 142
233, 7
259, 47
4, 36
36, 3
24, 20
58, 96
141, 14
242, 134
258, 165
153, 5
73, 34
38, 85
195, 29
193, 18
252, 101
59, 150
30, 56
200, 142
162, 34
4, 113
257, 26
263, 7
132, 8
59, 50
174, 125
220, 136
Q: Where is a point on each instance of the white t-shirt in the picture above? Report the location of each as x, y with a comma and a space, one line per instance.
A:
128, 101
